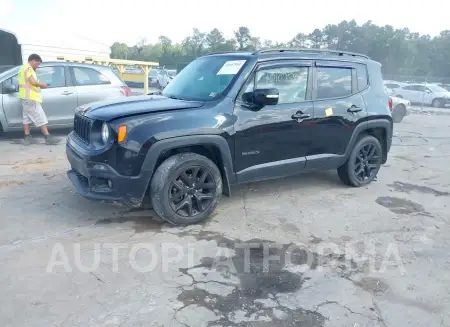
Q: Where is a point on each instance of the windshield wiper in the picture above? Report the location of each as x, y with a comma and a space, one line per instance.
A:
155, 93
173, 97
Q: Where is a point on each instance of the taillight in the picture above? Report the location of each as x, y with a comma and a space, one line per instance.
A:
126, 91
390, 104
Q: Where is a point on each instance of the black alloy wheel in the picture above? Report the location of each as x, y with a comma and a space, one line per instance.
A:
192, 192
186, 188
367, 162
363, 163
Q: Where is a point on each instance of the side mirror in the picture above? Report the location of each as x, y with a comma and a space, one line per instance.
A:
427, 91
9, 88
266, 97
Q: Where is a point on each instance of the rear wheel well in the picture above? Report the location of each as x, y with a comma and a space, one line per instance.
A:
209, 151
381, 135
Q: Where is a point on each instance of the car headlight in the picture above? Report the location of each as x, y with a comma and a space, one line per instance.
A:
105, 133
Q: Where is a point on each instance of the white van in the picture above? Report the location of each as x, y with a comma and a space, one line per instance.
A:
16, 47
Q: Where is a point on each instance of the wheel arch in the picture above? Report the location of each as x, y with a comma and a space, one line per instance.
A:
213, 147
440, 99
381, 129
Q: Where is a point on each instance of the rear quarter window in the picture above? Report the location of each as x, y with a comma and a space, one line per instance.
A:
89, 76
362, 77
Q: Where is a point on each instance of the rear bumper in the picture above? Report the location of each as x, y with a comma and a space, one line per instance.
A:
99, 181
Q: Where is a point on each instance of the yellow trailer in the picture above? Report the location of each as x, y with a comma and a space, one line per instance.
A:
120, 65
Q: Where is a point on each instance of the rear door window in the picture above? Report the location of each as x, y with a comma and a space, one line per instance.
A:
53, 76
333, 82
88, 76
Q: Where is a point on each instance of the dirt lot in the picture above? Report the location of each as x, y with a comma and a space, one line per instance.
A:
302, 251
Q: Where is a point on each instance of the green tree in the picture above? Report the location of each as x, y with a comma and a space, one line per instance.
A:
400, 51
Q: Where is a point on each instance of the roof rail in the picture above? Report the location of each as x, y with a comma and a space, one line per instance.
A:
308, 50
224, 52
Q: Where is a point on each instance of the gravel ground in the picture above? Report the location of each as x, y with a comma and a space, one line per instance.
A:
299, 251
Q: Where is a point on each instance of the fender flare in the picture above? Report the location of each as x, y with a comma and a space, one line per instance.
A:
386, 124
155, 151
3, 123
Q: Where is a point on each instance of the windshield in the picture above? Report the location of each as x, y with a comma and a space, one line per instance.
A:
205, 78
436, 88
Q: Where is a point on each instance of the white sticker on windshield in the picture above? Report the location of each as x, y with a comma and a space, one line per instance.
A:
231, 67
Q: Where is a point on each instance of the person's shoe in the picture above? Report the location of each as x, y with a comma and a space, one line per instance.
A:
27, 140
51, 140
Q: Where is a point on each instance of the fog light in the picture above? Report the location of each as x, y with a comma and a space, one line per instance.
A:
110, 184
100, 167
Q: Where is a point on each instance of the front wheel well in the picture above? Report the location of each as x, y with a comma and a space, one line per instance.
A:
209, 151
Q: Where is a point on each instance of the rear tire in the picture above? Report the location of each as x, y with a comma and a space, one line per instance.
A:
186, 188
398, 113
436, 103
363, 164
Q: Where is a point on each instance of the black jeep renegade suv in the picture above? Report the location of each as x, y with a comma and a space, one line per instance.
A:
234, 118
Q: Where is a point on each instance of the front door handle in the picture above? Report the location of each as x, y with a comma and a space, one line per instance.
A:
299, 116
67, 93
354, 109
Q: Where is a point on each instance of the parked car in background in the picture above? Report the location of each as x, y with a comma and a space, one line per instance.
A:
160, 77
400, 107
393, 85
163, 79
153, 77
70, 85
172, 73
445, 86
428, 94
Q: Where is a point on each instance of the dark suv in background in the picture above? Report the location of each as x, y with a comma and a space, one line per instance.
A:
234, 118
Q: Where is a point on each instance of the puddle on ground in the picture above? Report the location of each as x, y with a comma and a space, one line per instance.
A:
141, 223
314, 239
401, 206
288, 227
253, 283
372, 285
407, 188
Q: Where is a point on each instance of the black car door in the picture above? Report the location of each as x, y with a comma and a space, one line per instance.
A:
338, 108
274, 140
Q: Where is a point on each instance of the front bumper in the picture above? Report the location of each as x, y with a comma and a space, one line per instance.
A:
100, 181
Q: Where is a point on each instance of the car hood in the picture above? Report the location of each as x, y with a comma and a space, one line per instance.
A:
108, 110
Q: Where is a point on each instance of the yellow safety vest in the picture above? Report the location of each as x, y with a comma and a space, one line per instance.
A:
26, 90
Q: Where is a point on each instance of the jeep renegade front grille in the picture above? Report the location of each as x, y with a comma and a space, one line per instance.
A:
82, 127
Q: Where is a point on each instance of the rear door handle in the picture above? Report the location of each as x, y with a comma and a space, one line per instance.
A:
354, 109
299, 116
67, 93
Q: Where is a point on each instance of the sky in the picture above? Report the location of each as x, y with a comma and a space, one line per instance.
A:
107, 21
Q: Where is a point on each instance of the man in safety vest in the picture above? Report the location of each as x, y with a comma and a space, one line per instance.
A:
30, 95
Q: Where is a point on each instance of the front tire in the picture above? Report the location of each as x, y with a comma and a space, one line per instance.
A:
186, 189
363, 164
